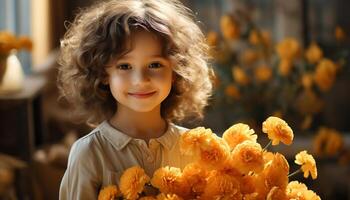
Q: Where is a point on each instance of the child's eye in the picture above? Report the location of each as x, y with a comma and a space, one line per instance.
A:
124, 66
155, 65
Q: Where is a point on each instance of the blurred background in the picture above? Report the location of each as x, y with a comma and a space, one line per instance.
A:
283, 58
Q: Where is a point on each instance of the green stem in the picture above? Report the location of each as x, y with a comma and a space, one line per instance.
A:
267, 145
294, 173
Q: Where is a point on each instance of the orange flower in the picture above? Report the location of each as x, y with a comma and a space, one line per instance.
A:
169, 180
308, 102
278, 130
229, 27
325, 74
284, 67
237, 134
307, 80
339, 34
191, 141
314, 53
109, 193
195, 176
288, 49
328, 142
276, 193
132, 182
263, 73
232, 91
221, 186
213, 153
239, 75
7, 42
248, 57
148, 198
276, 172
212, 38
254, 38
25, 42
296, 190
248, 156
308, 164
168, 197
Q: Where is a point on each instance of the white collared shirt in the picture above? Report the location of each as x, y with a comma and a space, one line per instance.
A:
99, 159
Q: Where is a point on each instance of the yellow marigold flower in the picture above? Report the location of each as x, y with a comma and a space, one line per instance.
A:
168, 197
221, 186
196, 177
251, 196
308, 164
284, 67
132, 182
255, 40
191, 141
314, 53
248, 156
248, 57
109, 193
229, 27
308, 102
339, 34
278, 130
276, 193
240, 76
232, 91
263, 73
325, 74
288, 49
169, 180
328, 142
296, 190
307, 80
237, 134
213, 153
276, 172
212, 38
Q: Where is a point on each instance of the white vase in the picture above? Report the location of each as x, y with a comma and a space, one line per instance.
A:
13, 78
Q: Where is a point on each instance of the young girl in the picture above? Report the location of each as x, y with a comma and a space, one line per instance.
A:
134, 67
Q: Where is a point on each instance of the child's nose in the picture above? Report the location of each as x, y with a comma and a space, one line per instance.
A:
141, 76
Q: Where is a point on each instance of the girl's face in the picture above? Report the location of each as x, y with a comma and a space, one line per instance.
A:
141, 79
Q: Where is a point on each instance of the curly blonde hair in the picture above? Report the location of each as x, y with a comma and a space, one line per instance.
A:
100, 32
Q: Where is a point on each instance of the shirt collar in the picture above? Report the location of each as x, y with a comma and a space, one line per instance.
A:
119, 139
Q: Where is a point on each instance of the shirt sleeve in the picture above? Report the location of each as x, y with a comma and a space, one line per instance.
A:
81, 179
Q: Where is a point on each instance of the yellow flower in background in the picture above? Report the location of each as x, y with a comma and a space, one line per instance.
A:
284, 67
232, 91
248, 156
296, 190
8, 41
169, 180
237, 134
276, 193
308, 102
278, 131
308, 164
109, 193
263, 73
276, 171
221, 186
314, 53
254, 38
328, 142
248, 57
132, 182
325, 74
239, 75
288, 49
229, 27
339, 34
212, 38
192, 140
168, 197
25, 42
307, 80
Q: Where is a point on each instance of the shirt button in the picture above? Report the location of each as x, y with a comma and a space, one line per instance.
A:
149, 159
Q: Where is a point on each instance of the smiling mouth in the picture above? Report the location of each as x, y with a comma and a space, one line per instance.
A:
142, 94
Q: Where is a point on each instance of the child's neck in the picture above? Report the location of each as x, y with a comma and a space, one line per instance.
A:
141, 125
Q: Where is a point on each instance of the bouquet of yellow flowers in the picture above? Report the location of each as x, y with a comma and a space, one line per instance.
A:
8, 43
233, 166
